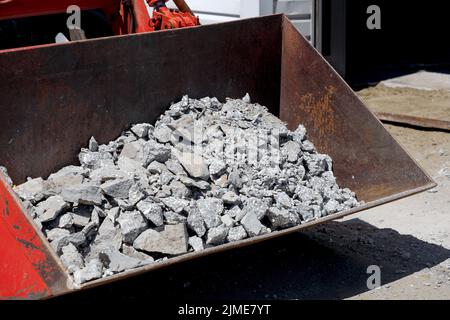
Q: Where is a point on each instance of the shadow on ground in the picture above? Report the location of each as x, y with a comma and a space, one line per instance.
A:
327, 262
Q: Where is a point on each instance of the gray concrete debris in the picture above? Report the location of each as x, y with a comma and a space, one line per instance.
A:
282, 218
231, 197
32, 190
151, 211
132, 223
236, 234
291, 150
255, 205
217, 235
141, 129
252, 225
171, 217
118, 262
193, 163
172, 240
156, 167
119, 188
71, 258
83, 194
224, 171
210, 209
93, 270
196, 222
8, 178
94, 160
196, 243
175, 204
93, 145
57, 233
49, 209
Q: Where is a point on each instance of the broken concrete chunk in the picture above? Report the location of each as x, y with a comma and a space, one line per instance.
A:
132, 252
235, 179
33, 190
5, 173
93, 145
173, 218
200, 184
49, 209
118, 188
77, 239
291, 150
235, 212
179, 190
256, 206
227, 220
93, 270
95, 160
195, 222
236, 234
211, 209
65, 221
282, 218
175, 204
71, 258
217, 167
217, 235
162, 133
156, 167
107, 173
135, 194
154, 151
83, 194
113, 213
141, 129
231, 197
132, 223
252, 225
193, 163
172, 240
130, 166
151, 211
57, 233
118, 262
283, 200
81, 216
176, 168
196, 243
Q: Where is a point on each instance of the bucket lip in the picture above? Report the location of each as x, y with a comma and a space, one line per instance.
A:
107, 38
249, 241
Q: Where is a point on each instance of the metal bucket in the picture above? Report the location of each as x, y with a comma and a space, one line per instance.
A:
53, 98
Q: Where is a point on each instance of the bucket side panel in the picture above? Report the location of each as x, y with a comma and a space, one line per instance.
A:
366, 157
27, 268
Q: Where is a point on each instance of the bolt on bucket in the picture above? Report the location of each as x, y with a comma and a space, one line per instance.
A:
55, 97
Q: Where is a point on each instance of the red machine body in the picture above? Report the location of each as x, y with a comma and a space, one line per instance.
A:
123, 16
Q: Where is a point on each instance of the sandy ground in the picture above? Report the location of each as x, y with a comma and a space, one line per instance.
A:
409, 101
408, 239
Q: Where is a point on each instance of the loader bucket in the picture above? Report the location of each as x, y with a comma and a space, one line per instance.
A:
54, 98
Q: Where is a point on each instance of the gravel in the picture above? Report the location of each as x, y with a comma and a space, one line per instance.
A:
206, 173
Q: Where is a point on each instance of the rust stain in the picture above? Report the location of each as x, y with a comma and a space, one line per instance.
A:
321, 115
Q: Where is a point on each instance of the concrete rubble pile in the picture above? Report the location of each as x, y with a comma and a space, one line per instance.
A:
207, 173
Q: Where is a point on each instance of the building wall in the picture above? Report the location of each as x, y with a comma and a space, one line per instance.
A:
213, 11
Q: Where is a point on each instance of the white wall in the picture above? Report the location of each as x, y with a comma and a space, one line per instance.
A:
213, 11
